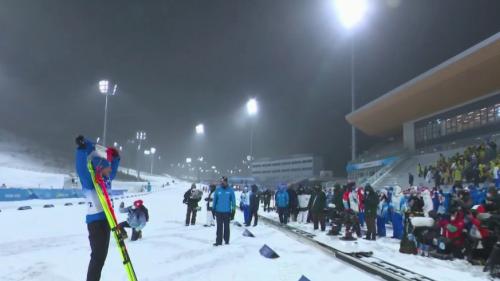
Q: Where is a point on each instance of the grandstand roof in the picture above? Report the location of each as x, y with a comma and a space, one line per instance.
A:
469, 75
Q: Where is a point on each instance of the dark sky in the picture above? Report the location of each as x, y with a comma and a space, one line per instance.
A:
181, 62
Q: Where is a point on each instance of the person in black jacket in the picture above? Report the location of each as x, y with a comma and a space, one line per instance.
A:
371, 204
317, 205
210, 211
267, 200
293, 203
254, 205
191, 199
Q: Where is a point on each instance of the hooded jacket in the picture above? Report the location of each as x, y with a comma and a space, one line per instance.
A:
371, 201
282, 199
137, 217
317, 203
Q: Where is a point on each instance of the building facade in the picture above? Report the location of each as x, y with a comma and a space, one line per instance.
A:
286, 169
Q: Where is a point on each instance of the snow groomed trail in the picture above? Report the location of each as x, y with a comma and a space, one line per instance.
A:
51, 244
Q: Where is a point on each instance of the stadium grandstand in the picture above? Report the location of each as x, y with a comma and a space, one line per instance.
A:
436, 115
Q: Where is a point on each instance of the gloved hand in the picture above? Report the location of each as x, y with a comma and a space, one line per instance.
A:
112, 153
213, 214
80, 142
122, 205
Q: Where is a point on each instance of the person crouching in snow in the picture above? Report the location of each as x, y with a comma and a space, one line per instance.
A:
138, 216
93, 169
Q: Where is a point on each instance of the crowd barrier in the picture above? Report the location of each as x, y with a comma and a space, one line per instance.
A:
20, 194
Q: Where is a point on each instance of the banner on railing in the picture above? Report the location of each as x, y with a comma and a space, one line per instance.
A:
360, 166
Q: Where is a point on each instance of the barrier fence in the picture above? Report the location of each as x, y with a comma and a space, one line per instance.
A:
21, 194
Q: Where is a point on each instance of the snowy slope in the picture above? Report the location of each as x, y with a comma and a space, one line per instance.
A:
24, 164
51, 244
19, 178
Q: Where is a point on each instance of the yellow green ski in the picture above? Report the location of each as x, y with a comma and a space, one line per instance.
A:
107, 207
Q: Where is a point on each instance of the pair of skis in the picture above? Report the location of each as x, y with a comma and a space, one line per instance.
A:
107, 207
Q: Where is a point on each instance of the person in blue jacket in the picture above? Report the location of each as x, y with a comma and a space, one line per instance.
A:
282, 203
87, 163
223, 206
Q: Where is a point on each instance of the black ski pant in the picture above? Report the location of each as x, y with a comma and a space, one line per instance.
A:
99, 235
319, 219
267, 205
135, 233
191, 215
371, 225
283, 214
254, 216
222, 227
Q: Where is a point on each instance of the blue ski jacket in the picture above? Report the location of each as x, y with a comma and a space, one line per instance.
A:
83, 156
282, 198
224, 200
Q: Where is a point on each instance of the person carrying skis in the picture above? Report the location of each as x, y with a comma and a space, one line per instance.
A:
210, 210
138, 216
254, 205
224, 204
87, 162
191, 199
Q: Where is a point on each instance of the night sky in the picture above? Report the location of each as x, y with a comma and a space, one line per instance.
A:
178, 63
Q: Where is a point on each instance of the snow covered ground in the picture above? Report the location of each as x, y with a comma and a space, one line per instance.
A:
388, 249
51, 244
20, 178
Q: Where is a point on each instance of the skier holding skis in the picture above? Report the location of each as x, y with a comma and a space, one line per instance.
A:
224, 204
210, 210
191, 199
138, 216
98, 228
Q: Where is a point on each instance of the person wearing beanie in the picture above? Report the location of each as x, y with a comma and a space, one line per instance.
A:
93, 169
138, 216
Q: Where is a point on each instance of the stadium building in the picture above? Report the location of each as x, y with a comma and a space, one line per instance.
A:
288, 169
443, 110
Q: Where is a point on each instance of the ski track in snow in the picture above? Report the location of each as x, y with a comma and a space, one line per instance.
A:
52, 245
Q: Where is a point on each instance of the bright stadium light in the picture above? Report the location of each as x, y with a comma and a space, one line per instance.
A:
200, 129
104, 89
104, 86
350, 12
188, 160
152, 150
147, 152
252, 107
